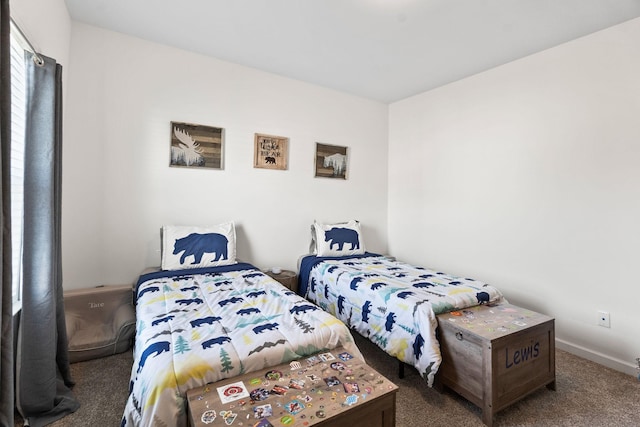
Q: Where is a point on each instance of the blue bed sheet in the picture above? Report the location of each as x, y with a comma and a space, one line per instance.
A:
308, 262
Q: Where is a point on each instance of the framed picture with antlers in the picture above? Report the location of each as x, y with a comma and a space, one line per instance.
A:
270, 152
196, 146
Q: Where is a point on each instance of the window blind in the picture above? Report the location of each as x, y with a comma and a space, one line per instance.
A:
18, 113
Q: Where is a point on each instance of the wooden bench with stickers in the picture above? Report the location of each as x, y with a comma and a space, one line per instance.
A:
327, 389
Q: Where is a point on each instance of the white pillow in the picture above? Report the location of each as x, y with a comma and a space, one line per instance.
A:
195, 247
339, 239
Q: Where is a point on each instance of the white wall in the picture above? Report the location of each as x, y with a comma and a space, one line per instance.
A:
118, 188
527, 177
47, 25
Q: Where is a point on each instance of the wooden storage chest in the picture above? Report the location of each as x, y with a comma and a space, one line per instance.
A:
493, 355
370, 400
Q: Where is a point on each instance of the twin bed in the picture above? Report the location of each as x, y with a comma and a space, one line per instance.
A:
200, 326
205, 317
393, 304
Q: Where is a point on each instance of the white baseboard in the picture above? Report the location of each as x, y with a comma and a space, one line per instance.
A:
594, 356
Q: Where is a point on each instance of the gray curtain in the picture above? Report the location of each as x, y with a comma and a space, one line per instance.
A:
6, 314
43, 389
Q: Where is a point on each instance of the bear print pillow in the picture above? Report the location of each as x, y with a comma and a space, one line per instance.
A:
338, 239
195, 247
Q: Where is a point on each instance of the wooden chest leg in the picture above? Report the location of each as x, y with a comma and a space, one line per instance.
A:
487, 415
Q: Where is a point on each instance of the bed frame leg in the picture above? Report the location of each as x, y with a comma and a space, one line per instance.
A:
400, 369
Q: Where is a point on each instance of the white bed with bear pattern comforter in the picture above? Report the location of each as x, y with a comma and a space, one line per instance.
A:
392, 303
202, 325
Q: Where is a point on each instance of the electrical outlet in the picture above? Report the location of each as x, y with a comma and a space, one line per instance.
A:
603, 319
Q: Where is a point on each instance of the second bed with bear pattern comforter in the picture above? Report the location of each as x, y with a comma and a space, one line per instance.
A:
392, 303
200, 326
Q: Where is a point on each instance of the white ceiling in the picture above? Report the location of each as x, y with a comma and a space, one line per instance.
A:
384, 50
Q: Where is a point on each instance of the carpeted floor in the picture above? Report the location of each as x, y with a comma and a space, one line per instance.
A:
587, 394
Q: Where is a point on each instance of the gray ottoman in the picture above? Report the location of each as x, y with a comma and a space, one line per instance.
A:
100, 321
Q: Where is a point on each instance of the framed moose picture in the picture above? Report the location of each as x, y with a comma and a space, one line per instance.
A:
196, 146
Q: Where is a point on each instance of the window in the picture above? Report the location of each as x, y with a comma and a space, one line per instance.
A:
18, 104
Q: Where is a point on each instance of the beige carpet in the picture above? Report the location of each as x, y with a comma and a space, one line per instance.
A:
587, 394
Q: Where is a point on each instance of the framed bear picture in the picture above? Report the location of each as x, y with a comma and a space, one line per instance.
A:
270, 152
